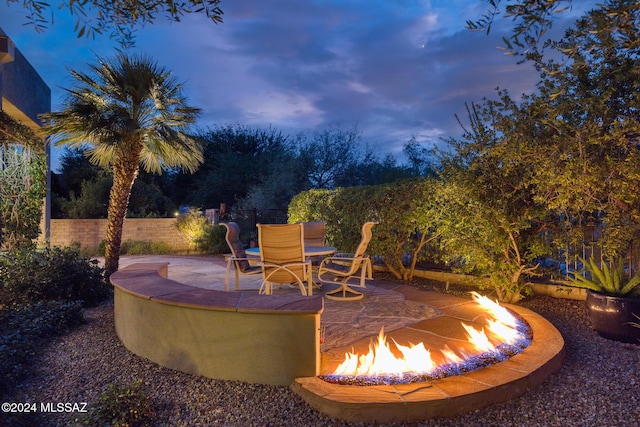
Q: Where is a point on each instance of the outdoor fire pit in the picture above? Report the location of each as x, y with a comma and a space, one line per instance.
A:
505, 335
449, 389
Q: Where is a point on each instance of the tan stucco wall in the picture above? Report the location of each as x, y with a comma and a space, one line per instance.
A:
264, 348
90, 232
226, 335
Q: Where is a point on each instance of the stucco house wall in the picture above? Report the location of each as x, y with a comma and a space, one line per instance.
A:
23, 96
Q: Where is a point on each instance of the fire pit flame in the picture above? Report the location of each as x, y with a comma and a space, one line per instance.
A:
504, 336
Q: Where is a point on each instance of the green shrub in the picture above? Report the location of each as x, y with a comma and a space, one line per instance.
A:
193, 226
24, 330
405, 212
51, 274
142, 247
101, 247
214, 241
123, 406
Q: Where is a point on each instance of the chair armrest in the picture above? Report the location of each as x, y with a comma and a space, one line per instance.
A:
253, 261
270, 264
230, 257
342, 259
343, 255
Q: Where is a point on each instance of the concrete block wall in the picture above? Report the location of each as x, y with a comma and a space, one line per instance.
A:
90, 232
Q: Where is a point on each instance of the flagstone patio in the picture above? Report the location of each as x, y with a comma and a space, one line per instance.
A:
408, 315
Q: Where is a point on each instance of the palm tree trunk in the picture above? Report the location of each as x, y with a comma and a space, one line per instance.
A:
125, 171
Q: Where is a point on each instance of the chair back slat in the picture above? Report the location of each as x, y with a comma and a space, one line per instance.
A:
367, 234
282, 244
314, 233
235, 245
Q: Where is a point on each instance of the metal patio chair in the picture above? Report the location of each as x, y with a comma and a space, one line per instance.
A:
343, 266
238, 256
282, 257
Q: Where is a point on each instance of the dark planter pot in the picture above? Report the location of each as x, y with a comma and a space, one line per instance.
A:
611, 317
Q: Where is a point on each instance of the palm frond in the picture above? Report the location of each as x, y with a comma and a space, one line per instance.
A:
124, 102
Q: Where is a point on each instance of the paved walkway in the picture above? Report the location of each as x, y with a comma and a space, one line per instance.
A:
344, 322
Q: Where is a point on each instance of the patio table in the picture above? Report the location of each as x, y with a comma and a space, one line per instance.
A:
309, 251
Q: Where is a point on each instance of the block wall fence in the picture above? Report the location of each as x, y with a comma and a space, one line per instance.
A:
90, 232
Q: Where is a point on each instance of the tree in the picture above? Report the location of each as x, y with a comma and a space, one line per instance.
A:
372, 170
420, 161
408, 212
489, 218
276, 190
130, 113
237, 159
81, 190
75, 169
573, 147
590, 110
534, 18
118, 17
329, 155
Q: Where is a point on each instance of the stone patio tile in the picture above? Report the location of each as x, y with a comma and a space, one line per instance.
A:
390, 286
372, 394
143, 269
469, 312
149, 286
460, 385
418, 391
204, 298
435, 299
275, 303
497, 374
446, 327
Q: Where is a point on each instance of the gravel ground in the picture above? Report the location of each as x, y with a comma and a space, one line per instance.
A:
598, 384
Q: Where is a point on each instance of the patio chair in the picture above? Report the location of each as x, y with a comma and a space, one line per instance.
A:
344, 266
238, 257
282, 257
314, 235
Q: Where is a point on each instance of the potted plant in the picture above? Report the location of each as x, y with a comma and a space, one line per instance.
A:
613, 299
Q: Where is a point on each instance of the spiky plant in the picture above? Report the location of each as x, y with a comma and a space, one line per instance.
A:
606, 278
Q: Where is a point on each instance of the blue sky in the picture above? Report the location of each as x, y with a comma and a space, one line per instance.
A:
395, 69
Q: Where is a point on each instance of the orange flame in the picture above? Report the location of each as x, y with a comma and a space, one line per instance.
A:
416, 359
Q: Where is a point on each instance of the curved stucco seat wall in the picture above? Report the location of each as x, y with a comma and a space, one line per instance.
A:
226, 335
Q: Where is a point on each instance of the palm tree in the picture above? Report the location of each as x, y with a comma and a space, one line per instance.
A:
127, 113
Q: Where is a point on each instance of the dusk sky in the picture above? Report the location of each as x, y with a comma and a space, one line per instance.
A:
394, 69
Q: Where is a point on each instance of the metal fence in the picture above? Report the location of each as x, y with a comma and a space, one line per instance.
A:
248, 219
567, 259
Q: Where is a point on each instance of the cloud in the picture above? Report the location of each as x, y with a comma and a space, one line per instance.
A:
393, 69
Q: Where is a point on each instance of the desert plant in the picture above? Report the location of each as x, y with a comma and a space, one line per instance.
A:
123, 406
214, 241
635, 324
607, 278
28, 276
25, 329
143, 247
193, 226
22, 184
129, 89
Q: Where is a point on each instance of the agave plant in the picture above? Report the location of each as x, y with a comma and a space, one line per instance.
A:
606, 279
635, 324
